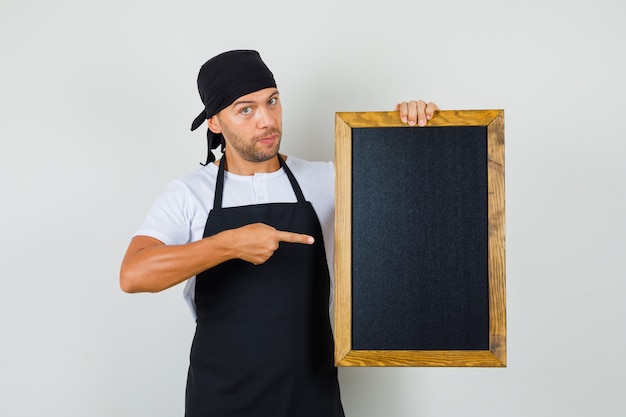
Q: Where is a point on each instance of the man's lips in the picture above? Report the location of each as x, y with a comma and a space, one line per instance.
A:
268, 140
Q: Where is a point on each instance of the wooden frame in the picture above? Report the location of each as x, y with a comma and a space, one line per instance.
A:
495, 354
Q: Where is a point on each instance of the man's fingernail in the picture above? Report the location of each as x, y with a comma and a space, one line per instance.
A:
422, 123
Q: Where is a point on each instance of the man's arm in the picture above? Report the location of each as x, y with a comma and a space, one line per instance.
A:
151, 266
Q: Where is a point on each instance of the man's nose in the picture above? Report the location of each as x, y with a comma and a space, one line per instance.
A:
265, 118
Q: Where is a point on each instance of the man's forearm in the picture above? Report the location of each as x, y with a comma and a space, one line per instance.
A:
151, 266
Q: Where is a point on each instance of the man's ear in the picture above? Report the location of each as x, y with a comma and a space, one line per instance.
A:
214, 124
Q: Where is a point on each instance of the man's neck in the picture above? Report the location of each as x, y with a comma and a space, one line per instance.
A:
240, 166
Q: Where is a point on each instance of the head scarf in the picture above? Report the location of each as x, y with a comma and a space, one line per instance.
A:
222, 80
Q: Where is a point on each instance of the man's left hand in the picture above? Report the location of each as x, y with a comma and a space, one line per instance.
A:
416, 112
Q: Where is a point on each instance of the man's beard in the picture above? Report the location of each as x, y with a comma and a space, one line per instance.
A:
249, 150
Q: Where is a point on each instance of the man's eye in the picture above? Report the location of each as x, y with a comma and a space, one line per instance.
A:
273, 100
246, 110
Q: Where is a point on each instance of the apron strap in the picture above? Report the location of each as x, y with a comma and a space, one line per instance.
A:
294, 184
219, 184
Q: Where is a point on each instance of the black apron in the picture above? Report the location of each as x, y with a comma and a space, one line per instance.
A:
263, 344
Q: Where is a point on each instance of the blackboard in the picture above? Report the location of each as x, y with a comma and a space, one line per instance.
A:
419, 261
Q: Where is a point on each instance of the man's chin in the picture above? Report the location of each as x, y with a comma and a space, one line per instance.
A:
265, 156
268, 152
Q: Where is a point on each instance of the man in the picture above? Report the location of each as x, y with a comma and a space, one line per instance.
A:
251, 235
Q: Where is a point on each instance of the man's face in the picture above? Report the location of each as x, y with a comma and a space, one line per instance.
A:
252, 125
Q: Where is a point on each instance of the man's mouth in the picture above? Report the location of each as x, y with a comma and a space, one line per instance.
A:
268, 140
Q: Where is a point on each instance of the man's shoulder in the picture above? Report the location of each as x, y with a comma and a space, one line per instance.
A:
317, 180
201, 175
305, 166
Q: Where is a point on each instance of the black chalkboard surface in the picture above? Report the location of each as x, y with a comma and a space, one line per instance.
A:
420, 240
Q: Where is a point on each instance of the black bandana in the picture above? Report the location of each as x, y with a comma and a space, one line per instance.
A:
222, 80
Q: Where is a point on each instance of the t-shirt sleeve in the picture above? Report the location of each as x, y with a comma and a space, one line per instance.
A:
169, 218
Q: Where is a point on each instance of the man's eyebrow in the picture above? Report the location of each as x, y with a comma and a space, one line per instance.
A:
240, 102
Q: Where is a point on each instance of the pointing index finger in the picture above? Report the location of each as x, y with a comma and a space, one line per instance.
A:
295, 238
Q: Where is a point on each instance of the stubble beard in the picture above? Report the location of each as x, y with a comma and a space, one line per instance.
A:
250, 149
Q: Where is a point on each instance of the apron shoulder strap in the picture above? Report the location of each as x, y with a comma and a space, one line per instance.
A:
294, 184
219, 184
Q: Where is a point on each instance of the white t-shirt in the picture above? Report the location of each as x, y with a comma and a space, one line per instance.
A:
179, 215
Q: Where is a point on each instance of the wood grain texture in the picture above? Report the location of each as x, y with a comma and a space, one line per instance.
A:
343, 238
497, 262
441, 118
496, 355
422, 358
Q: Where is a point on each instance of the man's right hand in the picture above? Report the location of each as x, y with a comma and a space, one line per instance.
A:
256, 243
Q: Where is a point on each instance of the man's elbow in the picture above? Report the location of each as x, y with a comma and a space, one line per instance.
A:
127, 286
134, 282
128, 283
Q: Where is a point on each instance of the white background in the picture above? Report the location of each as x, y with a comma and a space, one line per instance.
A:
96, 101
